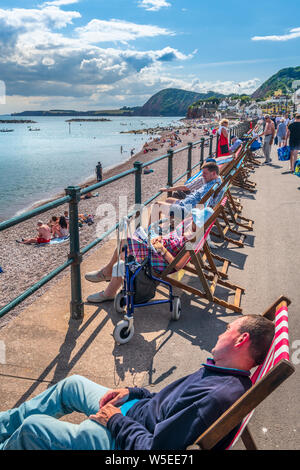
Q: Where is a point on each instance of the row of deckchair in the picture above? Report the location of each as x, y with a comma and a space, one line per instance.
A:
225, 220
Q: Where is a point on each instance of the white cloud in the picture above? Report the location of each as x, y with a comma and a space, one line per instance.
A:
117, 30
292, 34
38, 59
58, 3
154, 5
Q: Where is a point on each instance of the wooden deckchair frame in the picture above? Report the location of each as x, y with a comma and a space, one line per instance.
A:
232, 211
196, 265
250, 400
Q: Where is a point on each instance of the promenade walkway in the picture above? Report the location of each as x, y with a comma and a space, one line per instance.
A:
42, 345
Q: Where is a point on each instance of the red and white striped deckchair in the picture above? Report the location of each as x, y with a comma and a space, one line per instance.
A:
266, 378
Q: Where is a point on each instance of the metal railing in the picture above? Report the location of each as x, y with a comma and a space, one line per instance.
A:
73, 196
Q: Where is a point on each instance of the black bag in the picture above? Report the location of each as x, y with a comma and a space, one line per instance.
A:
144, 286
224, 149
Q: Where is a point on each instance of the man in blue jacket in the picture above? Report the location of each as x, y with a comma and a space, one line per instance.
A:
134, 418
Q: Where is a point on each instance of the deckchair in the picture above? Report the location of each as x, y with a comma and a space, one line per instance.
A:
266, 378
195, 264
233, 211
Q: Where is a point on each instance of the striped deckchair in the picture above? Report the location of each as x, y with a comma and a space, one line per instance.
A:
199, 261
266, 378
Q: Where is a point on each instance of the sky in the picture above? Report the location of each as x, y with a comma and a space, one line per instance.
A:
106, 54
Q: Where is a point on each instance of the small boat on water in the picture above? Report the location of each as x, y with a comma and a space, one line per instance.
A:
35, 129
6, 130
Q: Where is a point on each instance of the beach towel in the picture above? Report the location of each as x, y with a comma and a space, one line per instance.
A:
55, 241
1, 270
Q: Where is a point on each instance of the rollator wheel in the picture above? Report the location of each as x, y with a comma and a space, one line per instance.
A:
121, 332
175, 314
120, 302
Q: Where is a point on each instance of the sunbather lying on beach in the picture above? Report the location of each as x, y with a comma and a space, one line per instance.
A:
163, 251
44, 235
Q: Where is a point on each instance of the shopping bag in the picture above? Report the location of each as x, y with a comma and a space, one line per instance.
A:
297, 168
283, 153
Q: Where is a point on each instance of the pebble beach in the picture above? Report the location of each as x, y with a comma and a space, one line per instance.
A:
23, 265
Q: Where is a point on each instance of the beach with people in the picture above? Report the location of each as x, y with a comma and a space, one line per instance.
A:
28, 263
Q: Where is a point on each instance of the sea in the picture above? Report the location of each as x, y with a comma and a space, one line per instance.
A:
39, 164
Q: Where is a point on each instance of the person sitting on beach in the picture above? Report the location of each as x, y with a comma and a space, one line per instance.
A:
134, 418
163, 251
61, 228
44, 235
148, 170
66, 216
53, 223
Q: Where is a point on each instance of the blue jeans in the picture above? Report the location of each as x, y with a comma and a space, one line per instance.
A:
34, 424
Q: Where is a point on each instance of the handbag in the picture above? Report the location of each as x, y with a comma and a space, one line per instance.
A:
144, 285
224, 149
284, 153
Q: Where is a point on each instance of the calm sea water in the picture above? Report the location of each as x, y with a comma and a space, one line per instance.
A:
39, 164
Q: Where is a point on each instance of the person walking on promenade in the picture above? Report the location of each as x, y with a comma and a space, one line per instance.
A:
223, 144
281, 132
268, 133
134, 418
99, 172
293, 133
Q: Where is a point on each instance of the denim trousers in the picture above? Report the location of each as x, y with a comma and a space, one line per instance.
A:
35, 425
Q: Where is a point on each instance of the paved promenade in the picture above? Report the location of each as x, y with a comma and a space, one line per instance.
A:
43, 345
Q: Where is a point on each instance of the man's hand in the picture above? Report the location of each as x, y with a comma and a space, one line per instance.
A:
115, 397
104, 414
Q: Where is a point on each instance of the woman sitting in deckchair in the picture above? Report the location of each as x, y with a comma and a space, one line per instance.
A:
163, 251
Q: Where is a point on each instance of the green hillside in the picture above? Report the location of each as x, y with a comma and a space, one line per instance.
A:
281, 80
172, 102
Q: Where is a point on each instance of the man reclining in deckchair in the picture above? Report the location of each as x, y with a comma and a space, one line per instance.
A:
210, 175
181, 208
134, 418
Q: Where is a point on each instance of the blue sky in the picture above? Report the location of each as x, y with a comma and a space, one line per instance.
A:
104, 54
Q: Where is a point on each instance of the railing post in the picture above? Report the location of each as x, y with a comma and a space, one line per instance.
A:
210, 144
138, 182
202, 150
76, 304
217, 142
170, 170
189, 162
138, 191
